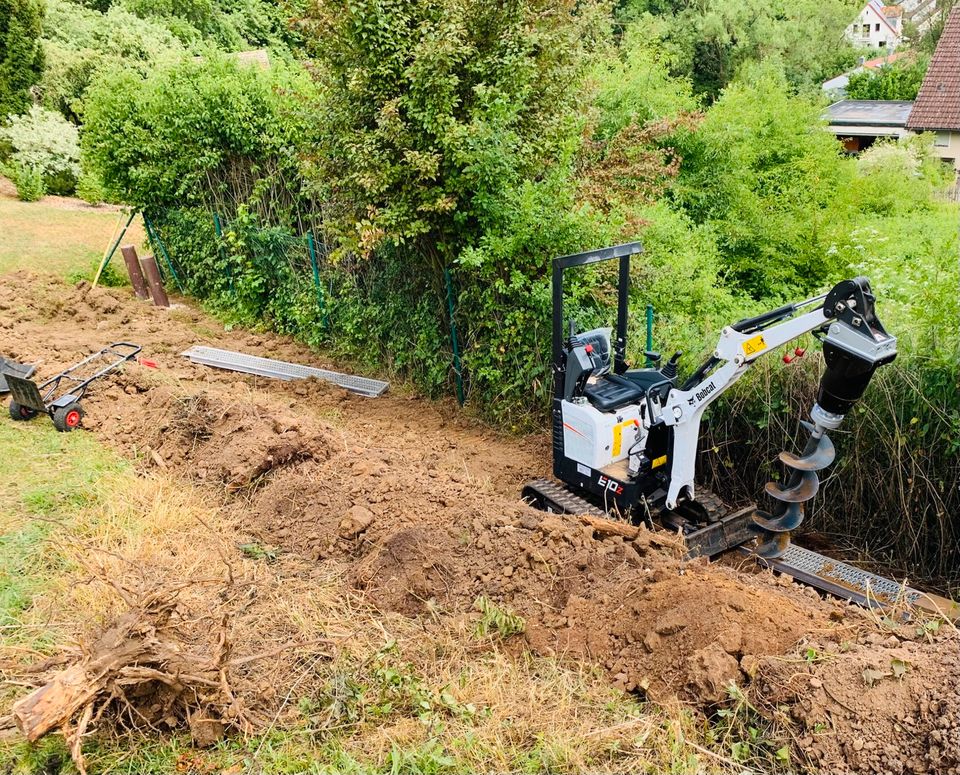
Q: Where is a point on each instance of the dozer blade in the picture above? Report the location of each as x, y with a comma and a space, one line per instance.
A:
804, 490
822, 456
782, 523
772, 545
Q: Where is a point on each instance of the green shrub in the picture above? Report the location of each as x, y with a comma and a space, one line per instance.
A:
90, 189
158, 143
27, 180
80, 42
42, 141
897, 81
770, 183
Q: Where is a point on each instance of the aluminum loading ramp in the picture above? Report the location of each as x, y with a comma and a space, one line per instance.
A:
855, 584
267, 367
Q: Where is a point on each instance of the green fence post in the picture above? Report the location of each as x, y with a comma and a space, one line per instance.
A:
316, 281
453, 337
649, 332
218, 228
154, 237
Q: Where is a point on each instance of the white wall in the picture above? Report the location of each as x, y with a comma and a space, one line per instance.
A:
864, 31
946, 145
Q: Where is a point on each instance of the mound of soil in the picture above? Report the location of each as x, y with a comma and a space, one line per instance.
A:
418, 509
884, 702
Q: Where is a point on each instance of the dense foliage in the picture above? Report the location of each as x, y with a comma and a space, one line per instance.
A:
710, 40
897, 81
21, 55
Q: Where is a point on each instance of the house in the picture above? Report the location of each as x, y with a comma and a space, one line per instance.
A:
922, 14
937, 107
877, 26
837, 87
859, 123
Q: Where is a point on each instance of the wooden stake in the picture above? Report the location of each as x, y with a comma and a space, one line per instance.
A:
152, 271
135, 271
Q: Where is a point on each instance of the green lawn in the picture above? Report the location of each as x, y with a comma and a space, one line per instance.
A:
56, 235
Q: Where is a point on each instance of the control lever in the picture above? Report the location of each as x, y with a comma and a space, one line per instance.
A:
651, 355
670, 370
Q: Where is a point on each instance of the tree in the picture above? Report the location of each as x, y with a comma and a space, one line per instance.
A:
710, 40
762, 172
897, 81
21, 54
433, 109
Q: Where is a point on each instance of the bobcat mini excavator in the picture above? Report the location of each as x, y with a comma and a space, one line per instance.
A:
625, 440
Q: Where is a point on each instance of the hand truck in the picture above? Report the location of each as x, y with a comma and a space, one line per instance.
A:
28, 399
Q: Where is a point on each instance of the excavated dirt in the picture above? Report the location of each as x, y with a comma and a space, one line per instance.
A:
418, 507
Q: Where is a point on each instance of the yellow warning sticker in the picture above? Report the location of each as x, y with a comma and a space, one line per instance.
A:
658, 461
754, 345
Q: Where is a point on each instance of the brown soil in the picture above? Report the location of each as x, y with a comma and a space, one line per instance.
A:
418, 507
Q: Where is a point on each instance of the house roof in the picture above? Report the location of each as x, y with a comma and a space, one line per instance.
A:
892, 11
889, 59
880, 10
879, 113
938, 103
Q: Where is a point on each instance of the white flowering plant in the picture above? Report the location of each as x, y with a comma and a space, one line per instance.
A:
46, 143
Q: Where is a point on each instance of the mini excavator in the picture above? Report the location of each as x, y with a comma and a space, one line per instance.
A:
625, 440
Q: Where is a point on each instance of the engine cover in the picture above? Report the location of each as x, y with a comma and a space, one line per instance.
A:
598, 439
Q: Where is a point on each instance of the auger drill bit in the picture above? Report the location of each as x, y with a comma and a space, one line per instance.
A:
802, 485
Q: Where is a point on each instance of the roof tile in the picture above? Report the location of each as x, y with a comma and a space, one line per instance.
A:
938, 104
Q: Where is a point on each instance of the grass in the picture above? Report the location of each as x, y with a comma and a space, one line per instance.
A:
47, 236
48, 476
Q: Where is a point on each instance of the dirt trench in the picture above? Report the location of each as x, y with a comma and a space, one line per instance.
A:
418, 507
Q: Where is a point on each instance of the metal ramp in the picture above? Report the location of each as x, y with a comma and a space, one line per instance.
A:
267, 367
855, 584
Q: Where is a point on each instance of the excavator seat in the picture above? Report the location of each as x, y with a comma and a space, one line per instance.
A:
611, 392
608, 391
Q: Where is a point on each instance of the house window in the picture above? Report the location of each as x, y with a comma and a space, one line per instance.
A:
882, 43
877, 28
942, 139
866, 30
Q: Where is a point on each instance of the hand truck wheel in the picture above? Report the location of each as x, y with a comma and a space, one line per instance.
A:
68, 417
21, 412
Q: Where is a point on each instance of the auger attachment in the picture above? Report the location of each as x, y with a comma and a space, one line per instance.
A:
855, 344
802, 485
822, 455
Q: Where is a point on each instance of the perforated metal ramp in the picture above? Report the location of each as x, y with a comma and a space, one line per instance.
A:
843, 580
267, 367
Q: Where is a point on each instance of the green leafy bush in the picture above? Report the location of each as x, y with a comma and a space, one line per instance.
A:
27, 180
44, 143
769, 181
897, 81
160, 142
81, 42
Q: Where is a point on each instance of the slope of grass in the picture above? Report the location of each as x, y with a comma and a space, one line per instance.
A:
57, 235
